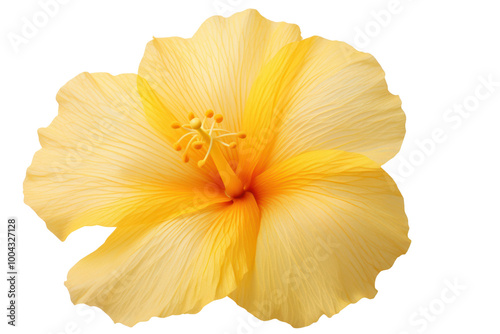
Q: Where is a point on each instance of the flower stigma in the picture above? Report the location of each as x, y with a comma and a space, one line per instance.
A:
200, 135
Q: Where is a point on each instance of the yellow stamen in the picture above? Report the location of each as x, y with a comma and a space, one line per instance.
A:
211, 129
234, 187
242, 135
196, 128
175, 125
201, 163
190, 142
184, 136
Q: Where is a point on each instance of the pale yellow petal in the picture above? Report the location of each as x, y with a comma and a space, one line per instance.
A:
320, 94
331, 221
175, 267
102, 163
216, 68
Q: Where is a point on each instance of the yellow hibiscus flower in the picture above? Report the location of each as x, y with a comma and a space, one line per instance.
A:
243, 162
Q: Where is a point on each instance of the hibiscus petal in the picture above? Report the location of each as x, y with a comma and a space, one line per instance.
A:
216, 68
331, 221
176, 267
320, 94
102, 163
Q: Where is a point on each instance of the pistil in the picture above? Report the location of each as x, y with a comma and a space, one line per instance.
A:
202, 135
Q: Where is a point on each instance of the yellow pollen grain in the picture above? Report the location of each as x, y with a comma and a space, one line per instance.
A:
218, 118
209, 113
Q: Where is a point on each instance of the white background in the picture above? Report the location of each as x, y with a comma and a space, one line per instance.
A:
436, 55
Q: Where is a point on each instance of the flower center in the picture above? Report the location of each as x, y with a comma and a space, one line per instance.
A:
200, 135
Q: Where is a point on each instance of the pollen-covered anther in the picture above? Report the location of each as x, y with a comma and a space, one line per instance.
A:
218, 118
175, 125
177, 147
232, 145
209, 113
197, 145
242, 135
191, 116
